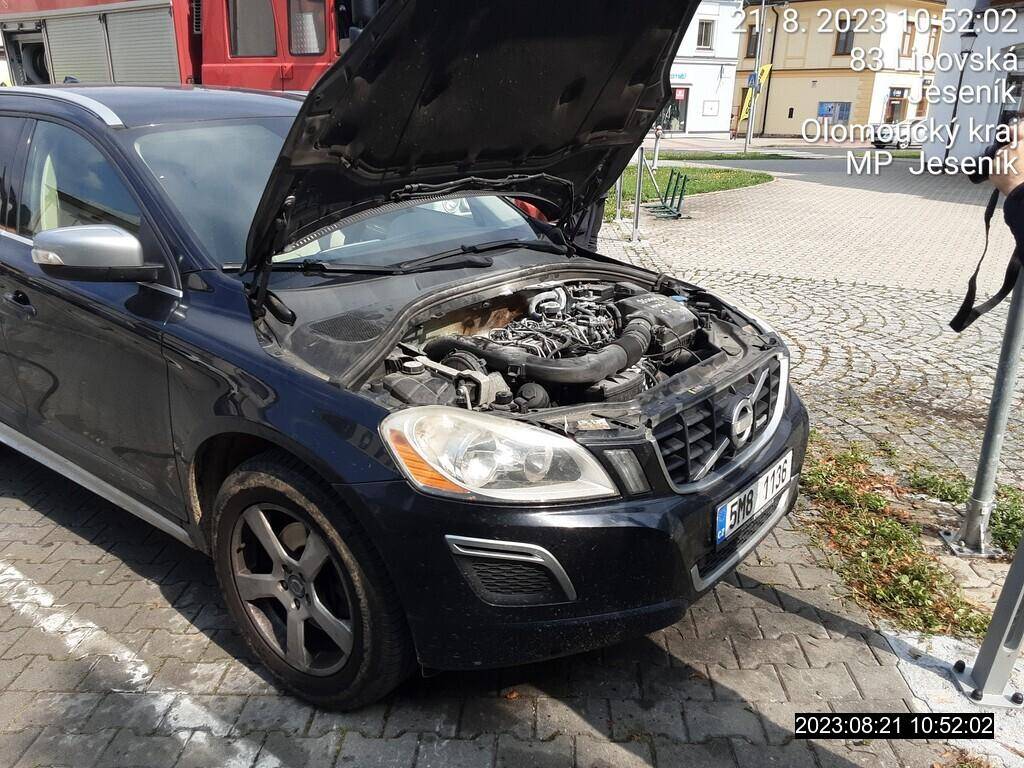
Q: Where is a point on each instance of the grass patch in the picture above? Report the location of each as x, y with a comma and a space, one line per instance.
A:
963, 760
898, 154
699, 180
878, 555
1007, 521
696, 154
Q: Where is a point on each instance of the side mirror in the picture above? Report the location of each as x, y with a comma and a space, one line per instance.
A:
97, 253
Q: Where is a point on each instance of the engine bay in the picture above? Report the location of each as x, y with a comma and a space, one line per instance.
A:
556, 343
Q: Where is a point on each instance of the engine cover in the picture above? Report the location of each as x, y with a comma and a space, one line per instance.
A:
665, 311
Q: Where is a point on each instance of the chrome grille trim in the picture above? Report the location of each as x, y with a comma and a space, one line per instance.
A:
759, 442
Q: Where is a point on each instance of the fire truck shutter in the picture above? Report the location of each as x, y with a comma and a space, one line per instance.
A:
142, 46
78, 49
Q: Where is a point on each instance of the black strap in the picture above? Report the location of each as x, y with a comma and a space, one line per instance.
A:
968, 312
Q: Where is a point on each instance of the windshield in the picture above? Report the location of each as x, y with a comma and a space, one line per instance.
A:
415, 231
215, 173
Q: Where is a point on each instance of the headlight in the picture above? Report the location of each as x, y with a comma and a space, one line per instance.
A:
460, 453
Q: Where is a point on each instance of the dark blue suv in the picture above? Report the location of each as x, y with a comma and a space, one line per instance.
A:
350, 345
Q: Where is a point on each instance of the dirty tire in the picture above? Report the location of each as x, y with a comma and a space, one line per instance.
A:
381, 654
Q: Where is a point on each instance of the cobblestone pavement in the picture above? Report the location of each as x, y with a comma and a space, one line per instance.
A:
115, 649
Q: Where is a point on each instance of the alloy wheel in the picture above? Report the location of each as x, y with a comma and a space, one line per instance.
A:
296, 595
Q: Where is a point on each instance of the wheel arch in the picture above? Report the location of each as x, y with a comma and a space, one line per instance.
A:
221, 452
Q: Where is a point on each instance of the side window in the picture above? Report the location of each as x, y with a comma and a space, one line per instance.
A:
68, 183
307, 27
10, 132
251, 27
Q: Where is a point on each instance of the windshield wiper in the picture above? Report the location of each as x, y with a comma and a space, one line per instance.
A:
466, 251
463, 256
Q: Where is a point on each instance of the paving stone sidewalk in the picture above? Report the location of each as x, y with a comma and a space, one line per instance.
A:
115, 649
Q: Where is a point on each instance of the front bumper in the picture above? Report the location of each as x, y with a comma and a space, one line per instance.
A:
635, 565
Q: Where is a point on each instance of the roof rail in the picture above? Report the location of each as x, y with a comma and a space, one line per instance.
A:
102, 111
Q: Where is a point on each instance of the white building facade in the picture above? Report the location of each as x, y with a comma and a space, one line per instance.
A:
999, 39
704, 71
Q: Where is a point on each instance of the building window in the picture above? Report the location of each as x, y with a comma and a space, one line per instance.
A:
307, 27
251, 26
844, 42
705, 34
1015, 87
751, 41
907, 43
933, 40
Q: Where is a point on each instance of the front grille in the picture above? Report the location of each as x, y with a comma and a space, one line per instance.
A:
689, 439
509, 582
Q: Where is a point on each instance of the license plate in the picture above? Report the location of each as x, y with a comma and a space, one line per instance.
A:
753, 500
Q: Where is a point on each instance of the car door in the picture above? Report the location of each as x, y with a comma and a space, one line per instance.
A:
87, 355
13, 132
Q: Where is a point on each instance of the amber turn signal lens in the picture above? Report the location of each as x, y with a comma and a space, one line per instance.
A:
418, 469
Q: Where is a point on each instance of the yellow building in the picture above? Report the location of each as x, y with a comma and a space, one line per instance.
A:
814, 48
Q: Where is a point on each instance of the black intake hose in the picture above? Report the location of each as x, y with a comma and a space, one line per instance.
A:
586, 369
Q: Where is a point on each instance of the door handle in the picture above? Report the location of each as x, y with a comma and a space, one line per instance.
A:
20, 303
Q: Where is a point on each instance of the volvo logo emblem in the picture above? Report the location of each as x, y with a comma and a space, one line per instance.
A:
741, 422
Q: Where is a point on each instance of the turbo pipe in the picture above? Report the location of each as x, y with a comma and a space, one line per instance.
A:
591, 368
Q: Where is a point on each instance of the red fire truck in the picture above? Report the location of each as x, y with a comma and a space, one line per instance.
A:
269, 44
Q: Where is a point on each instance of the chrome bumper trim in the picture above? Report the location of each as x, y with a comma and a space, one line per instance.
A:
785, 502
512, 550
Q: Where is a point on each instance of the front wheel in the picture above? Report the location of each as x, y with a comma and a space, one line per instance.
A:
307, 590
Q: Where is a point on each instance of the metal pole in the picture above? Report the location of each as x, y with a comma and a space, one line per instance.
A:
657, 147
986, 682
757, 80
639, 192
972, 538
618, 199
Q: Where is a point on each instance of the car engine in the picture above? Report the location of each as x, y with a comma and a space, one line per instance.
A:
551, 344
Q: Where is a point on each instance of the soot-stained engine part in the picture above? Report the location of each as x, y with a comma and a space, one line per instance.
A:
568, 342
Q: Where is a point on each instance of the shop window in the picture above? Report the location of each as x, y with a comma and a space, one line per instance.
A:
705, 34
307, 27
251, 27
907, 43
752, 35
844, 42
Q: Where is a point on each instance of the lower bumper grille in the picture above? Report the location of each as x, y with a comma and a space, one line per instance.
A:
497, 581
510, 573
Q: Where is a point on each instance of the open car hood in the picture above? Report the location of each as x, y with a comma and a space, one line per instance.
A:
557, 93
